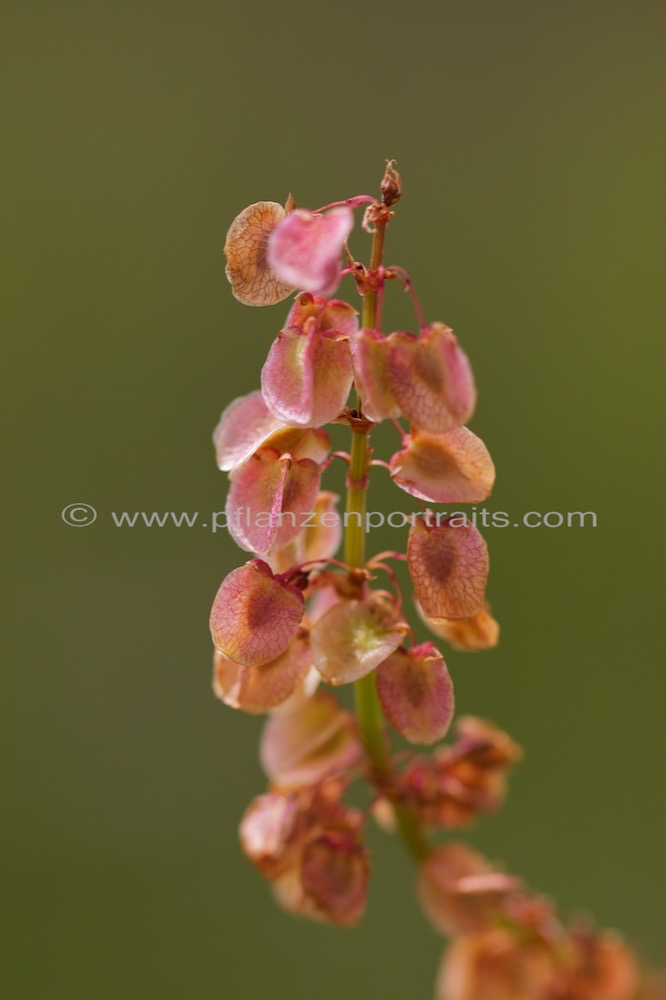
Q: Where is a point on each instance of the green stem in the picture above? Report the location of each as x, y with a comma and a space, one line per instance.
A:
368, 708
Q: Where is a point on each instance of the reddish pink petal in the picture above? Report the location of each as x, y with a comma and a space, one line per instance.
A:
453, 467
330, 314
448, 564
307, 376
370, 353
353, 638
313, 740
244, 427
269, 497
467, 634
431, 378
261, 689
416, 693
253, 281
460, 891
304, 249
255, 615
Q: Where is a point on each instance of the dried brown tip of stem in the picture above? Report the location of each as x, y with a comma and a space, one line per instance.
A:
391, 186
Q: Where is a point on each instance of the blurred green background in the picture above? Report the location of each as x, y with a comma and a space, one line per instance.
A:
530, 138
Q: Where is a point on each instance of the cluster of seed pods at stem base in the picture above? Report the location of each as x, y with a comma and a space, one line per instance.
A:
310, 611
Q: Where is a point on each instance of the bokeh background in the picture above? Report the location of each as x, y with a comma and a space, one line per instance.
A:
529, 135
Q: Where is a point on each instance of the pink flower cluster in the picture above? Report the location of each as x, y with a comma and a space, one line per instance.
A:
297, 615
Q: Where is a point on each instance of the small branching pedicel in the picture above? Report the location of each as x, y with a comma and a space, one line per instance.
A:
295, 616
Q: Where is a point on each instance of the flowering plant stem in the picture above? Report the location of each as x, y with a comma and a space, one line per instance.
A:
290, 613
368, 709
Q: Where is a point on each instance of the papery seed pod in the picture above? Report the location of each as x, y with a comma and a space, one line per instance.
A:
259, 689
330, 314
495, 965
352, 639
416, 693
334, 877
448, 565
431, 378
253, 280
268, 831
312, 741
452, 467
274, 493
245, 425
458, 783
318, 539
304, 249
370, 359
481, 631
460, 891
307, 376
255, 615
312, 443
600, 967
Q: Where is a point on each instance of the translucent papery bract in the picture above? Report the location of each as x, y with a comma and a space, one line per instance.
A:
314, 740
334, 876
448, 564
370, 359
326, 877
466, 634
244, 427
307, 376
268, 830
318, 539
253, 281
248, 425
490, 744
495, 965
269, 497
353, 638
309, 843
313, 443
458, 783
460, 891
330, 314
453, 467
261, 689
255, 615
431, 378
323, 539
304, 248
416, 693
476, 767
601, 968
